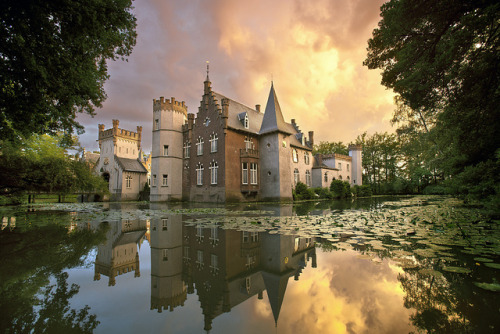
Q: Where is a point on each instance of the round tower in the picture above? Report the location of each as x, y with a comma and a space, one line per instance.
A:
357, 164
167, 149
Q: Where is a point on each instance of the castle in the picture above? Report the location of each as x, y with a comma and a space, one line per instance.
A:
230, 152
119, 161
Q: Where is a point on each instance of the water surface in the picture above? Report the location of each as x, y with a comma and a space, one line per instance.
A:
384, 265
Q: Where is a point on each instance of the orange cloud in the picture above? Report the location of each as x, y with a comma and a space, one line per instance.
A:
312, 50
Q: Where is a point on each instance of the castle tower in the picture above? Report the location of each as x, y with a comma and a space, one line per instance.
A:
166, 162
275, 167
168, 290
357, 167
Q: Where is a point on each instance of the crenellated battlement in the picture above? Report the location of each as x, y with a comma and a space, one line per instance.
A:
117, 132
172, 104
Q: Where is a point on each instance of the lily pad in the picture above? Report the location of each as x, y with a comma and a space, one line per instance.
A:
482, 259
458, 270
493, 265
488, 286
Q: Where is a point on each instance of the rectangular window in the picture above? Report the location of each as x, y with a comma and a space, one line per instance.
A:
214, 233
128, 181
199, 147
213, 143
154, 180
186, 252
165, 150
253, 173
165, 180
340, 166
187, 147
199, 176
157, 124
245, 237
164, 223
199, 257
214, 261
347, 167
244, 173
295, 156
255, 236
165, 254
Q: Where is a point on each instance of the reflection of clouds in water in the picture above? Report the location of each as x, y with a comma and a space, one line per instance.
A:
345, 295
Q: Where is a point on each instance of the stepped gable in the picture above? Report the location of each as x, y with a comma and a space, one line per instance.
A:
273, 120
236, 112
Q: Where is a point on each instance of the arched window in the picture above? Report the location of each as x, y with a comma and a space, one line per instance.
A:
348, 178
306, 158
213, 142
295, 156
199, 174
340, 177
199, 146
308, 178
296, 176
213, 172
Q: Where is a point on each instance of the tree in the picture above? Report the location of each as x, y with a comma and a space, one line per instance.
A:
325, 147
53, 60
441, 58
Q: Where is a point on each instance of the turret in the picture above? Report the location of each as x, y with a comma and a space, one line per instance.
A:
355, 152
169, 116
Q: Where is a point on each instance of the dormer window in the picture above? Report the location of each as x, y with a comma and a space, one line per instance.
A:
243, 118
246, 121
207, 121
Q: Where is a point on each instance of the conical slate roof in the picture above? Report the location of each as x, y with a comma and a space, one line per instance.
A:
273, 118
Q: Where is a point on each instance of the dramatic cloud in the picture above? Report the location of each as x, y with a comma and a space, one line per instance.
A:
313, 51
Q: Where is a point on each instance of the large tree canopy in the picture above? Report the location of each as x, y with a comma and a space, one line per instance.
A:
442, 59
53, 60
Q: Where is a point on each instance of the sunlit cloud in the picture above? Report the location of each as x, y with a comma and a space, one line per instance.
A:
313, 51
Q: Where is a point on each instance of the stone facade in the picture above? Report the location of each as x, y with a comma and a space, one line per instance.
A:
120, 161
231, 152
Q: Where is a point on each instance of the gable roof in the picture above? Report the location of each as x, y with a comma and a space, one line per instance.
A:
273, 117
236, 110
131, 165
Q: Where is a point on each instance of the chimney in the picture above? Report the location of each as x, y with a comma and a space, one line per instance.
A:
257, 107
311, 137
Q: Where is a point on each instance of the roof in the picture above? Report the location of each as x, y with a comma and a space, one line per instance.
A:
273, 117
131, 165
236, 113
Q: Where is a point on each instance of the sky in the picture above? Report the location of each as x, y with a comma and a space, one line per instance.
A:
311, 50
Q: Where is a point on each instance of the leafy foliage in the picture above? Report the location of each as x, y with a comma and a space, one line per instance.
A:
442, 60
340, 189
53, 60
40, 164
325, 147
301, 192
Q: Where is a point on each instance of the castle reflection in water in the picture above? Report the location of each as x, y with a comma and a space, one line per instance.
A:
224, 267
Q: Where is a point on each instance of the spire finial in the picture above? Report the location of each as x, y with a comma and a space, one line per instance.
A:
207, 69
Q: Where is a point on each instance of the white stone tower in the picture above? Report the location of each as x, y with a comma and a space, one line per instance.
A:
167, 287
167, 150
357, 167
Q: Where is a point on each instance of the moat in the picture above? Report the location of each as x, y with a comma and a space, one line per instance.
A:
379, 265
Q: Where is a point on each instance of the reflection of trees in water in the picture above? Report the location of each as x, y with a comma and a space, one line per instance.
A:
434, 300
54, 313
27, 302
